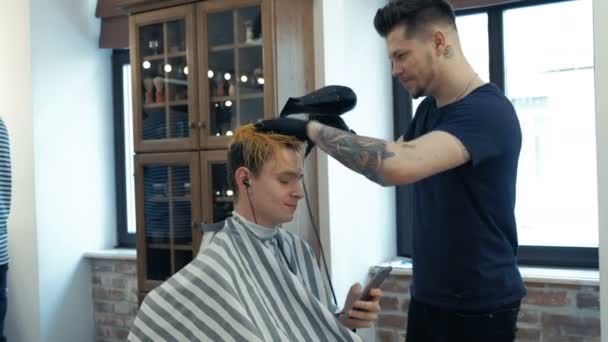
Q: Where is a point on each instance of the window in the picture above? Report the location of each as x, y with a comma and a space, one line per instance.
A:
552, 91
548, 76
123, 149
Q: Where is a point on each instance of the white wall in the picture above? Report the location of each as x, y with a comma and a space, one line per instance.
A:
23, 316
600, 29
357, 216
73, 148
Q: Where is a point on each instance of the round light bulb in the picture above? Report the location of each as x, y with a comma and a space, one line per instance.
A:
260, 80
217, 193
146, 64
186, 70
227, 76
244, 78
210, 73
229, 192
168, 68
228, 103
217, 134
229, 133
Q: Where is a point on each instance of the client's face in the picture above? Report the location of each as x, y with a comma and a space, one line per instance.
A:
278, 189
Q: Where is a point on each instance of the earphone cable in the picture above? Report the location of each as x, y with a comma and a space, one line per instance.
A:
316, 230
251, 206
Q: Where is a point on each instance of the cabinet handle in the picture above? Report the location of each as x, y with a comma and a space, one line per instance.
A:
193, 125
202, 124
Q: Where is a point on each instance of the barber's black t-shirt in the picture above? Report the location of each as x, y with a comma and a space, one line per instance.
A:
464, 230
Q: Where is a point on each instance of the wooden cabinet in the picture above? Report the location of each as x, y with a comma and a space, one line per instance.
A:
165, 103
177, 194
200, 69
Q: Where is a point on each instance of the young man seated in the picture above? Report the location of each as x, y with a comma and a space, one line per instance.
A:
254, 281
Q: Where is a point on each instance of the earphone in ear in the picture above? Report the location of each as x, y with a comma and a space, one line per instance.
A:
246, 182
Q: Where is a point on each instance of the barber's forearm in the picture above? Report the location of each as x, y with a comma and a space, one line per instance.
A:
361, 154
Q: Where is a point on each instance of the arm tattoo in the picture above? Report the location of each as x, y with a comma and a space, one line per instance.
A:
361, 154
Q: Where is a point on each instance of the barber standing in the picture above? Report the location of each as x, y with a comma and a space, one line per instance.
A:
460, 154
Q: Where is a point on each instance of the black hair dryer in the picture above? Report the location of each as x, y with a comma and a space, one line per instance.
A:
329, 100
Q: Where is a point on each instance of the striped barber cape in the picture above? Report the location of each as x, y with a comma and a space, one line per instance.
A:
239, 289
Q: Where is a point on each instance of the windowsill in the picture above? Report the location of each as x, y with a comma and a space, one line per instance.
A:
115, 254
561, 276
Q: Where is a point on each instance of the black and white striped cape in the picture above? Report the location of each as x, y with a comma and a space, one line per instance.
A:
237, 289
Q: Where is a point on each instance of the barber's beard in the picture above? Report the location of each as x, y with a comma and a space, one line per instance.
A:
419, 93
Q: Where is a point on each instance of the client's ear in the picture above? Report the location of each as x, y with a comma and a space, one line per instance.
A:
242, 177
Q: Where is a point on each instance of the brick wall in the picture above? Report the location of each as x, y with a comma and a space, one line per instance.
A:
549, 313
114, 298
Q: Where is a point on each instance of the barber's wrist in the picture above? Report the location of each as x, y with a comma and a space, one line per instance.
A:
312, 129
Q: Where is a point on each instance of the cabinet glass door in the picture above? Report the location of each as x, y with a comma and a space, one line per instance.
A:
218, 194
235, 71
163, 82
168, 211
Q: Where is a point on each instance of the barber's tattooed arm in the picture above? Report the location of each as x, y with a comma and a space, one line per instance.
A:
391, 163
361, 154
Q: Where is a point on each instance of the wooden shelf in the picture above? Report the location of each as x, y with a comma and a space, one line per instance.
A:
176, 54
161, 56
162, 104
178, 103
163, 199
224, 199
154, 105
223, 98
259, 95
168, 246
153, 58
227, 47
177, 81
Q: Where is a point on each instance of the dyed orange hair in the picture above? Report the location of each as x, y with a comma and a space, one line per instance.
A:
251, 149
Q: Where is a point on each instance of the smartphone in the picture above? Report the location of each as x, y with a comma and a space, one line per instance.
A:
375, 282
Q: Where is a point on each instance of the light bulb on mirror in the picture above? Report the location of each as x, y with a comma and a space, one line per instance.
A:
217, 193
227, 76
244, 79
229, 193
229, 133
210, 73
217, 134
260, 80
186, 70
228, 103
168, 68
146, 64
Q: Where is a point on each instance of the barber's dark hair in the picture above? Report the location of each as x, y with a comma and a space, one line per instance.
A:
415, 14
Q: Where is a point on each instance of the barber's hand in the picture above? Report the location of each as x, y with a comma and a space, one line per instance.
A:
358, 313
286, 126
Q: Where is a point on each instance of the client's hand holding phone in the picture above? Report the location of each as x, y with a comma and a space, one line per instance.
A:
362, 307
377, 280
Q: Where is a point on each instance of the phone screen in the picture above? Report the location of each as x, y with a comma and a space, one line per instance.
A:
377, 280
